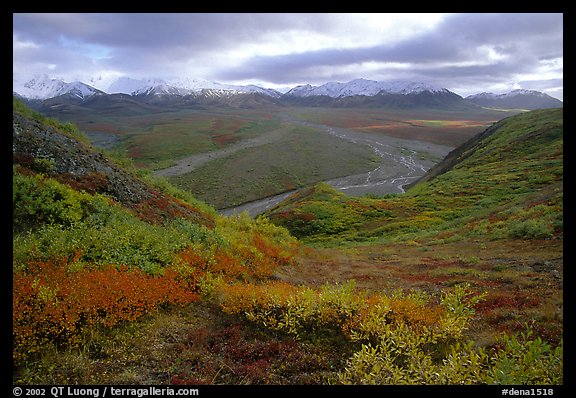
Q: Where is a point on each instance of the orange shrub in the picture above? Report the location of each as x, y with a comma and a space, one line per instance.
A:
51, 304
243, 297
406, 311
246, 262
228, 265
191, 266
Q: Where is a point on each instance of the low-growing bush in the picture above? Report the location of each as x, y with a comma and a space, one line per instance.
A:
402, 338
531, 229
38, 200
53, 305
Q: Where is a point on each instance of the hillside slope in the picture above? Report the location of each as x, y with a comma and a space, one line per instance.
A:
111, 288
95, 245
504, 183
490, 215
56, 153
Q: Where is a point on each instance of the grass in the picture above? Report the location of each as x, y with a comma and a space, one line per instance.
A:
163, 142
302, 157
157, 139
495, 221
450, 128
195, 345
527, 275
199, 344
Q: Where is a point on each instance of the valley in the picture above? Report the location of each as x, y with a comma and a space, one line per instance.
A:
124, 277
231, 145
400, 161
229, 157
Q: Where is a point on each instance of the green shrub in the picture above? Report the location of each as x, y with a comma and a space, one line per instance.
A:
402, 338
38, 200
516, 361
531, 229
523, 360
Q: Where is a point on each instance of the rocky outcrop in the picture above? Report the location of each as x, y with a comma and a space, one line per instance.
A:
32, 139
40, 147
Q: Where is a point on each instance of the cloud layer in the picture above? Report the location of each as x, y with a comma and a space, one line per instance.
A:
465, 53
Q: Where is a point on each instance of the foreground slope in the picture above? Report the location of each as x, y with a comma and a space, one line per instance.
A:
490, 214
96, 246
105, 294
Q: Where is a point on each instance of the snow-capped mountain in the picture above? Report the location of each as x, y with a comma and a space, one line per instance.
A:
520, 98
194, 92
370, 93
510, 94
42, 87
363, 87
355, 93
181, 86
197, 85
127, 85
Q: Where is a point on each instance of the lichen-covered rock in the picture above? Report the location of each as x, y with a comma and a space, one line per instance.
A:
43, 148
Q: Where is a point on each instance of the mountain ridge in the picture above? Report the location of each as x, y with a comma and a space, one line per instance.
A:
362, 87
519, 98
354, 93
43, 86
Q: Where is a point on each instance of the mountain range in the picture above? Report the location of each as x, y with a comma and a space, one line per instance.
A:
525, 99
357, 92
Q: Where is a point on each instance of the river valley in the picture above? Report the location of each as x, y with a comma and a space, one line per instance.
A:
401, 161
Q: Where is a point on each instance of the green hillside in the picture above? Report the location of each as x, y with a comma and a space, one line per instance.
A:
504, 183
95, 245
120, 278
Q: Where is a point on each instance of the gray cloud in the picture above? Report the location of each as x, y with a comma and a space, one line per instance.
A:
162, 32
524, 39
460, 51
150, 43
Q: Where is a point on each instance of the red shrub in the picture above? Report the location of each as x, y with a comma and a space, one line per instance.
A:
51, 304
160, 207
508, 300
93, 182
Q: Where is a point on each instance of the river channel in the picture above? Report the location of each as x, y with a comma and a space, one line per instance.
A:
402, 161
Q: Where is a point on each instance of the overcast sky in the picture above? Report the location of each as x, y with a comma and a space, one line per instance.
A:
465, 53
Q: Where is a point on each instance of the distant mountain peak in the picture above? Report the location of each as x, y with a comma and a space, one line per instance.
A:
43, 87
181, 86
364, 87
521, 91
513, 93
518, 98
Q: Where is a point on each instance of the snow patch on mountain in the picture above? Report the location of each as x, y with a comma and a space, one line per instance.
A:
510, 94
363, 87
42, 87
516, 99
182, 86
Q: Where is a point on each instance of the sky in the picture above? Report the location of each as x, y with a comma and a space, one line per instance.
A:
465, 53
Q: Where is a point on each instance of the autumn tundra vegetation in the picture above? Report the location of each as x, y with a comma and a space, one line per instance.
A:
121, 278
